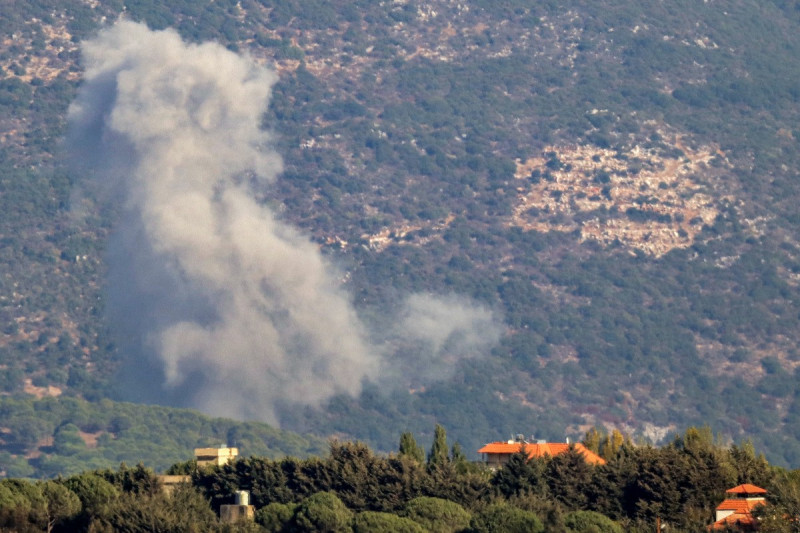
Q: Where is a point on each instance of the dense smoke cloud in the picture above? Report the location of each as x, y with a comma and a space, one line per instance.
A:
216, 304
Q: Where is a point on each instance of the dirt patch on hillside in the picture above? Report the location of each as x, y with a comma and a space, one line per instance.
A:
644, 199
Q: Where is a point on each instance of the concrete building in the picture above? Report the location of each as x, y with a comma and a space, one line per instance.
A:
239, 511
215, 456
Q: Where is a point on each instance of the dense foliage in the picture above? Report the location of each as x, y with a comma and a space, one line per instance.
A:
63, 436
353, 490
418, 113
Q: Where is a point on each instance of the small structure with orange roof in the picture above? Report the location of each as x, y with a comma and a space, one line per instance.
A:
496, 454
734, 511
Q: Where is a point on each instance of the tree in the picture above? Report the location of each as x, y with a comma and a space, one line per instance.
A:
322, 512
437, 515
438, 454
67, 440
448, 483
520, 475
275, 517
60, 504
20, 506
695, 439
377, 522
353, 472
592, 440
568, 476
655, 491
504, 518
184, 511
782, 512
267, 481
611, 444
749, 467
590, 522
136, 480
185, 468
95, 494
609, 481
400, 479
410, 448
459, 459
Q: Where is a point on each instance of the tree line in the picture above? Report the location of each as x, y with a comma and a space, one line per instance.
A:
352, 489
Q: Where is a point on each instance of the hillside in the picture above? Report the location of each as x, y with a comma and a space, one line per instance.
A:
616, 181
49, 437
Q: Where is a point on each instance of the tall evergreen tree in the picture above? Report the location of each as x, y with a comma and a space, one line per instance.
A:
611, 444
439, 452
410, 448
749, 467
592, 439
459, 459
568, 477
521, 475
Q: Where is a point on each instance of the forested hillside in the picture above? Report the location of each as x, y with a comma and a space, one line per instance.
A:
51, 437
617, 181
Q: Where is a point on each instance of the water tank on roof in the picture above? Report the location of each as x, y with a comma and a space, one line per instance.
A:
242, 497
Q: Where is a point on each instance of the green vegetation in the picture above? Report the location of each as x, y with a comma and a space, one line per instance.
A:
417, 120
585, 521
354, 490
497, 517
437, 515
63, 436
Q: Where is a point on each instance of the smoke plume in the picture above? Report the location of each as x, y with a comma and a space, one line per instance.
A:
216, 304
430, 334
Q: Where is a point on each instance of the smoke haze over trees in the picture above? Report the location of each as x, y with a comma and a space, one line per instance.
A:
216, 302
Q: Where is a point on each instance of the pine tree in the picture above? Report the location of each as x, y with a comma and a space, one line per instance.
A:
592, 440
439, 453
518, 476
612, 444
459, 459
568, 477
410, 448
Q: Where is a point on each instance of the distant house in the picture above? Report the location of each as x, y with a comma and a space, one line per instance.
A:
204, 457
496, 454
215, 456
734, 511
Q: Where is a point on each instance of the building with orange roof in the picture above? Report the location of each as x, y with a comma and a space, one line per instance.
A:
496, 454
746, 490
735, 511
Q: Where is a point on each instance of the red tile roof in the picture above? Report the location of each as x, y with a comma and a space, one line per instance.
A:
739, 505
541, 450
734, 520
746, 488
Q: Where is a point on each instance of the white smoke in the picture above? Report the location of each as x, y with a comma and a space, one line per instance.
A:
217, 304
438, 332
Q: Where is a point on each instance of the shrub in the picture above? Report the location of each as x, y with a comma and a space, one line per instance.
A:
501, 517
323, 512
375, 522
437, 515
